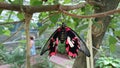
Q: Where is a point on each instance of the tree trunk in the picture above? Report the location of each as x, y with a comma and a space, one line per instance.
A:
27, 24
97, 33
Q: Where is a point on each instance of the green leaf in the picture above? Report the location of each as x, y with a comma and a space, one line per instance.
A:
114, 64
20, 16
7, 32
43, 28
113, 25
87, 10
77, 20
112, 47
112, 43
101, 65
82, 27
112, 40
20, 2
51, 25
42, 15
71, 25
106, 62
67, 1
35, 2
117, 33
54, 18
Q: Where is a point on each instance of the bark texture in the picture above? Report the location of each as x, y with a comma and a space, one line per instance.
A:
27, 28
98, 33
42, 8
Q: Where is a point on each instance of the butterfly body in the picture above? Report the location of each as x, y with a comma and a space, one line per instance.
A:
62, 34
73, 43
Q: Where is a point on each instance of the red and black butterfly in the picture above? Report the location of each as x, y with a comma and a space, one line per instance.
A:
68, 36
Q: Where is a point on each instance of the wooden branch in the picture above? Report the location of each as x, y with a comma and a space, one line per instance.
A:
15, 22
103, 14
62, 8
27, 29
42, 8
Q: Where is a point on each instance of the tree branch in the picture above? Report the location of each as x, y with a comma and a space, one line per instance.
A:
27, 29
42, 8
6, 23
62, 8
93, 15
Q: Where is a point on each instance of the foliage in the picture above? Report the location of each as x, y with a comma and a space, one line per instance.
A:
4, 31
16, 1
20, 16
43, 28
106, 59
54, 18
35, 2
113, 32
108, 62
16, 57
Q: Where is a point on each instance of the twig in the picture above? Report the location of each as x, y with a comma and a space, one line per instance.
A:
46, 18
6, 23
95, 48
93, 15
9, 16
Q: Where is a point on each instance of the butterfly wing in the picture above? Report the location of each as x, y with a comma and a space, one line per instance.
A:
51, 44
75, 43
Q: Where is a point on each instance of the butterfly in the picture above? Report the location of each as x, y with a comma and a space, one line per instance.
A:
73, 43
